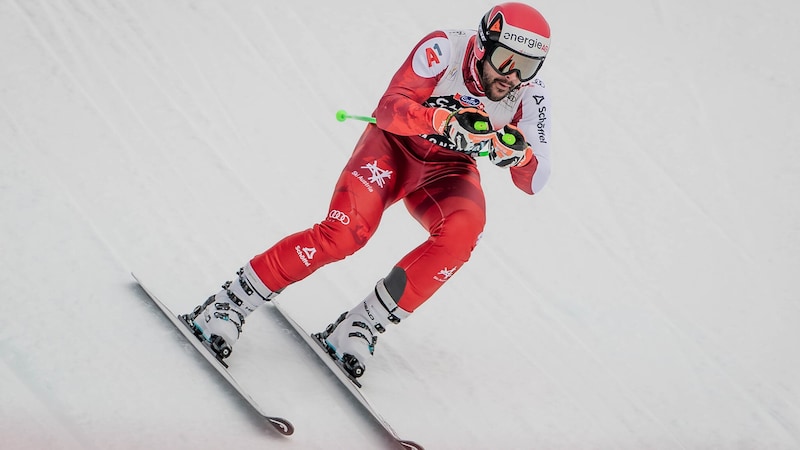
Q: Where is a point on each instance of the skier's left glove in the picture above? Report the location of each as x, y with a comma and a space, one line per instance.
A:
508, 148
466, 128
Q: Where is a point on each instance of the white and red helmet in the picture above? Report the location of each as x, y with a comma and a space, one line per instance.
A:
513, 37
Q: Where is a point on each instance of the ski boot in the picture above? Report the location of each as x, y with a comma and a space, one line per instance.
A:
352, 337
219, 320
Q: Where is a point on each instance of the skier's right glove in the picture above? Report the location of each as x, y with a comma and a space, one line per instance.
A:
467, 128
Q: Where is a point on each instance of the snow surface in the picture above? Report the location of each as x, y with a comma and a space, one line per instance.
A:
646, 299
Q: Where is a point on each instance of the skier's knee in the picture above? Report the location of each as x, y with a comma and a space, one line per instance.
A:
460, 231
341, 235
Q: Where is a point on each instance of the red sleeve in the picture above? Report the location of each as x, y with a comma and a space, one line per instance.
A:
400, 110
522, 176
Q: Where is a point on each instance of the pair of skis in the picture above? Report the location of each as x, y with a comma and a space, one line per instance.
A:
280, 424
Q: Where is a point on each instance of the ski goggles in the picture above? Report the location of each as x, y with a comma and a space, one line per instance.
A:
504, 61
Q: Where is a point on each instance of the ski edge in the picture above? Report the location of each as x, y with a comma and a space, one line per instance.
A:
351, 385
280, 424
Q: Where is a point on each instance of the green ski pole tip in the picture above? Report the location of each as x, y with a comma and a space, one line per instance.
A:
341, 115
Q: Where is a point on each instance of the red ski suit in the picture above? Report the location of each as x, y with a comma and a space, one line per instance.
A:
401, 157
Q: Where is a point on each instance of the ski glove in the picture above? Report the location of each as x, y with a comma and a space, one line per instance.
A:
467, 128
508, 148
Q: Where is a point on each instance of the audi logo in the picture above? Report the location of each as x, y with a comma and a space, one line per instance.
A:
339, 216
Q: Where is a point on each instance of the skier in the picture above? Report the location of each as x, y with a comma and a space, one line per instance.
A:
459, 93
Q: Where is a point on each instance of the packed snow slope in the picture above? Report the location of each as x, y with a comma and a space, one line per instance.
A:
646, 299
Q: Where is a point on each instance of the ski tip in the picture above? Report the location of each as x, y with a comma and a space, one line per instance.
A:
283, 426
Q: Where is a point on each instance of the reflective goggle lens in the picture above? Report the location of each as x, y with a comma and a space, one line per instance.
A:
505, 61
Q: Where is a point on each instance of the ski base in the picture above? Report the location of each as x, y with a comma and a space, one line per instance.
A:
282, 425
319, 347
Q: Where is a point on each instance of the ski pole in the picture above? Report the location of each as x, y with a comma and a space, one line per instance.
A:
341, 116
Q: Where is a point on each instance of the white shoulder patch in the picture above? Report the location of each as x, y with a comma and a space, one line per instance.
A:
432, 57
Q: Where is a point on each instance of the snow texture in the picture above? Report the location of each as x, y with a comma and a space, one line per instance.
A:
644, 300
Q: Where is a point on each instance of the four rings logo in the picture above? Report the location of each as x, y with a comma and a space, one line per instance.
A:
339, 216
